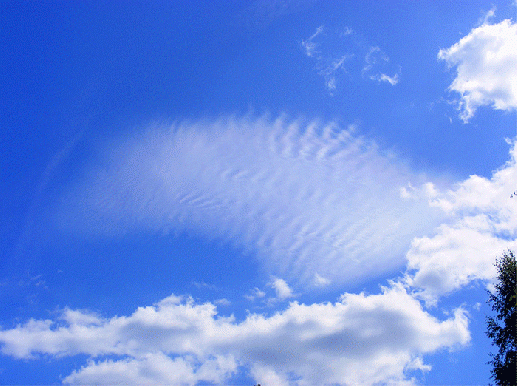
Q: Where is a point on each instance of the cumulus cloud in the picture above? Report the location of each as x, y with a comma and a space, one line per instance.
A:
486, 68
482, 223
359, 340
481, 212
153, 369
305, 197
282, 289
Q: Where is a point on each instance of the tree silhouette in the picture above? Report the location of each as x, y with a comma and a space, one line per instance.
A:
502, 328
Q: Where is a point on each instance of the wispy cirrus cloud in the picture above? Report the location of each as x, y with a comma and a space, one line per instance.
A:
256, 293
307, 198
310, 45
320, 281
486, 67
376, 63
364, 339
343, 52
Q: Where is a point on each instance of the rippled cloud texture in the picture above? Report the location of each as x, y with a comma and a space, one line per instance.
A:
341, 188
310, 198
318, 206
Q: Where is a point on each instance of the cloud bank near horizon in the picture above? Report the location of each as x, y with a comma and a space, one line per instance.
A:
359, 339
311, 200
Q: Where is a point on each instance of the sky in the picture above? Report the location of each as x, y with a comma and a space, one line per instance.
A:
277, 192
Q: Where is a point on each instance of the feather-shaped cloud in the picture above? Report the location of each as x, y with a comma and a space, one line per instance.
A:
307, 198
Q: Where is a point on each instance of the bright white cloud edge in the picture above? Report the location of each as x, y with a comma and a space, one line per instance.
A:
486, 68
362, 339
481, 224
178, 341
208, 347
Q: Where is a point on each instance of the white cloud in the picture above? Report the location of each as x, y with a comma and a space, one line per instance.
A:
482, 224
309, 44
268, 376
153, 369
489, 15
281, 288
223, 302
346, 31
305, 197
256, 294
200, 285
375, 63
342, 51
361, 339
320, 281
486, 64
393, 80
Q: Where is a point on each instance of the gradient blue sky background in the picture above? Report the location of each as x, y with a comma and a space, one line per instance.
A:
284, 192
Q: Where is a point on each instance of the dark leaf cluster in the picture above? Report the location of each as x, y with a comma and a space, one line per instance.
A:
502, 328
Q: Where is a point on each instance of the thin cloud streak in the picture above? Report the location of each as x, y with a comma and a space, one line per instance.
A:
336, 53
376, 62
307, 198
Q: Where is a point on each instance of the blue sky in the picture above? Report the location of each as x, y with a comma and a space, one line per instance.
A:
283, 192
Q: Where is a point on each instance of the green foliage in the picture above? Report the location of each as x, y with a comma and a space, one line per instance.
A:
502, 328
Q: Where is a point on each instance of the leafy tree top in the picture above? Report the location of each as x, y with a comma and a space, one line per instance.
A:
502, 328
